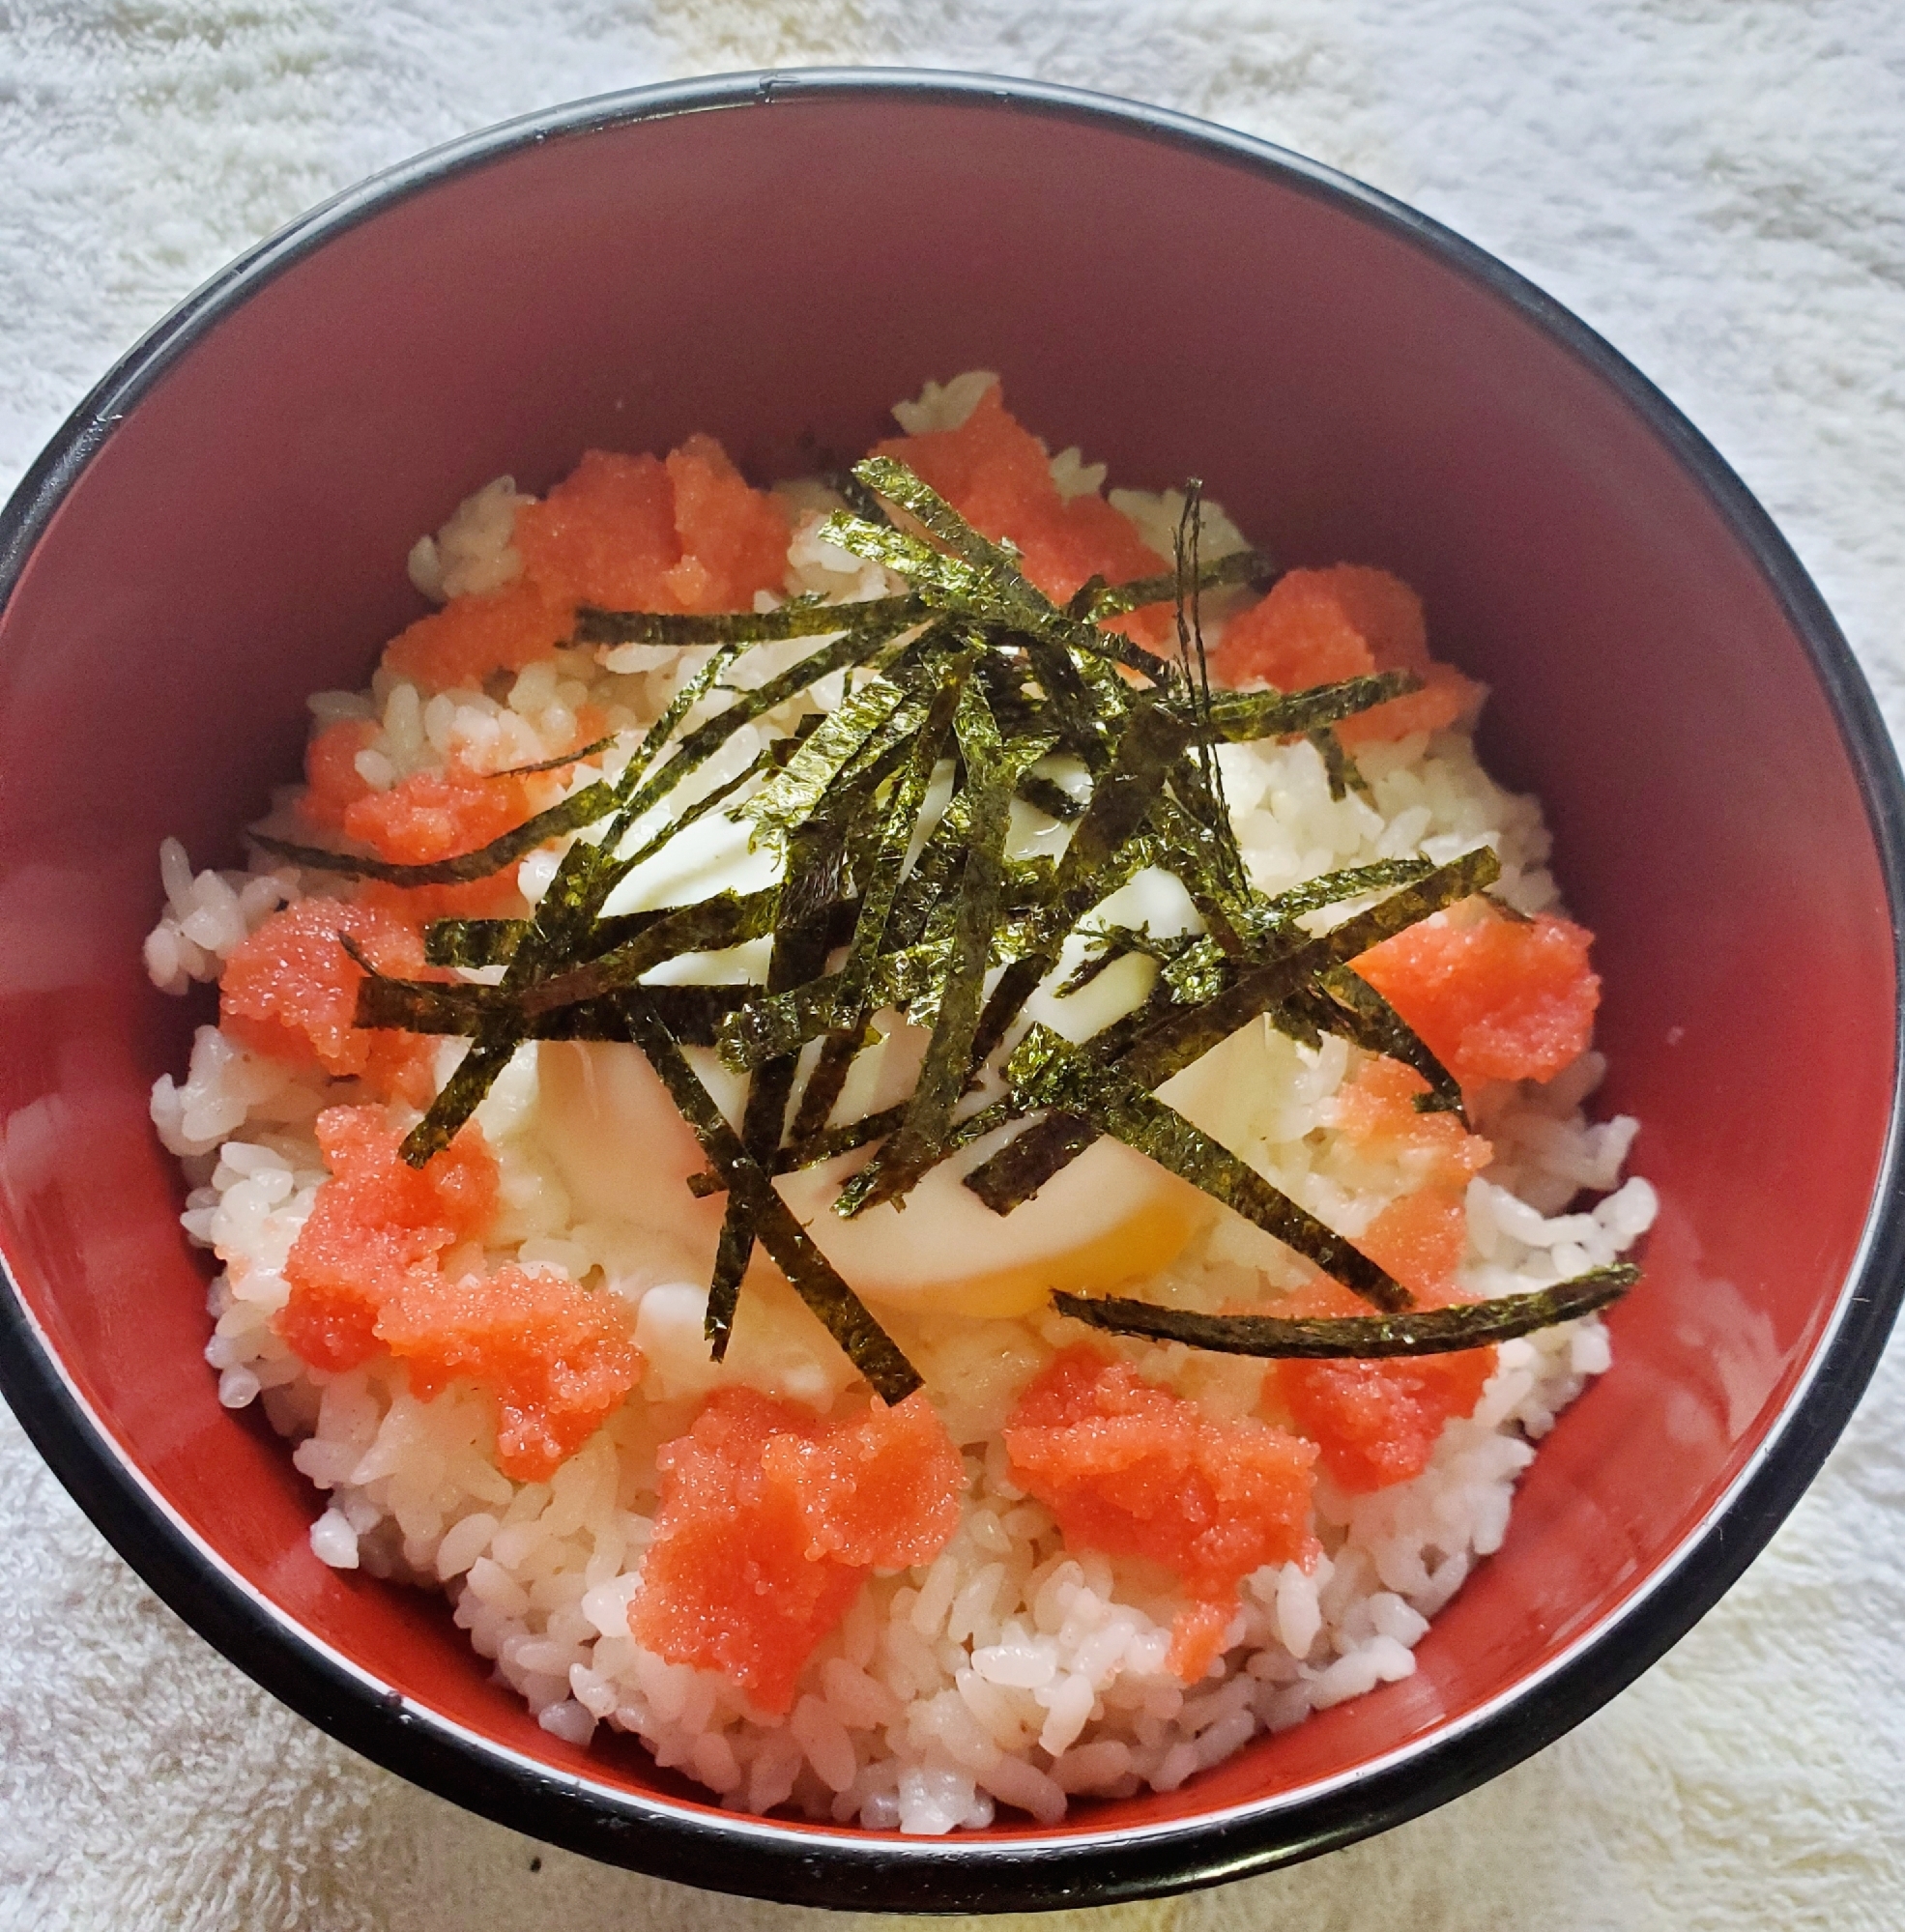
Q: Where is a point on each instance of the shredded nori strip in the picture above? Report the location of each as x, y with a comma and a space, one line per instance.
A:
1120, 803
1238, 717
1046, 796
799, 951
815, 1279
1240, 566
710, 925
1338, 767
1430, 1331
796, 792
1356, 1010
800, 617
1044, 1071
556, 763
693, 1013
994, 767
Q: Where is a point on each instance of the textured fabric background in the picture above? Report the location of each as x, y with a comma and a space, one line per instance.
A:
1719, 185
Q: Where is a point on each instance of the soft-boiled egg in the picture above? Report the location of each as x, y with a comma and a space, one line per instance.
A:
1110, 1216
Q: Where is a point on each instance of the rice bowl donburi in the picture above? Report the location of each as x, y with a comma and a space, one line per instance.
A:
922, 1133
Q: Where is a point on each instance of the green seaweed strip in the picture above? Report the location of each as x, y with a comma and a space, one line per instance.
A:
932, 877
1377, 1026
979, 576
556, 763
882, 885
815, 1279
800, 617
997, 587
583, 808
462, 1095
855, 495
1436, 1331
993, 769
1240, 718
691, 815
673, 714
710, 925
765, 1029
487, 942
850, 648
1331, 888
1200, 781
821, 1095
902, 485
793, 795
1044, 1071
471, 942
1240, 566
1343, 773
1183, 1037
693, 1013
427, 1006
799, 951
1046, 796
1151, 741
842, 1140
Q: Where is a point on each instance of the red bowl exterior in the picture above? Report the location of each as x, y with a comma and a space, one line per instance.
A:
221, 529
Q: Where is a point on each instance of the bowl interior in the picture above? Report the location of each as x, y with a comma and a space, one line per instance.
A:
778, 276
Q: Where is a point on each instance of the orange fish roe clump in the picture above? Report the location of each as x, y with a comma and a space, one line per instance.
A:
1376, 1111
734, 540
769, 1522
604, 534
458, 647
1494, 998
997, 475
557, 1358
1376, 1422
365, 1276
290, 988
331, 780
438, 813
1131, 1469
880, 1490
627, 532
1321, 627
635, 532
375, 1222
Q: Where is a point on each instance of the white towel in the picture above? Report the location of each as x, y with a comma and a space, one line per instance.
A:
1719, 185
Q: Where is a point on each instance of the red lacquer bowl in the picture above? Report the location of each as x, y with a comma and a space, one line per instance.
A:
221, 529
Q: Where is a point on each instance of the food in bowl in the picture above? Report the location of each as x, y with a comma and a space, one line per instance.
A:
922, 1142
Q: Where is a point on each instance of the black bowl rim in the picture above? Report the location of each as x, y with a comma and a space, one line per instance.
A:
814, 1866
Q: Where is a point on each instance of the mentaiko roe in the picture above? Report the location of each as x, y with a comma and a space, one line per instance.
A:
627, 533
1131, 1469
1494, 998
995, 472
1376, 1421
1321, 627
769, 1521
290, 990
373, 1221
366, 1275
